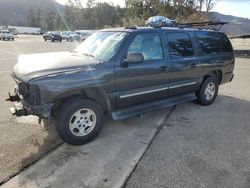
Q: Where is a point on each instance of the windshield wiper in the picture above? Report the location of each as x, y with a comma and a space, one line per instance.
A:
89, 55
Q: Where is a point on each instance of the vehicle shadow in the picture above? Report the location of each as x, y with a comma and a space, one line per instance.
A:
230, 106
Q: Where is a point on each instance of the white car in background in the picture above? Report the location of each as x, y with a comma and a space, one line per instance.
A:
70, 36
160, 21
83, 34
6, 35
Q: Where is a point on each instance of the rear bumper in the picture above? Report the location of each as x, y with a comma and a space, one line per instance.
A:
227, 77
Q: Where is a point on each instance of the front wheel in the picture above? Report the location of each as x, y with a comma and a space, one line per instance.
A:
79, 121
208, 91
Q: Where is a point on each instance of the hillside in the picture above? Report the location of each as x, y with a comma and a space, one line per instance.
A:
237, 25
14, 12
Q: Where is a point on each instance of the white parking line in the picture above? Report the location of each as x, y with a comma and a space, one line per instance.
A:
1, 72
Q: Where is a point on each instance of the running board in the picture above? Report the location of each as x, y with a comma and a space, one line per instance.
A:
147, 107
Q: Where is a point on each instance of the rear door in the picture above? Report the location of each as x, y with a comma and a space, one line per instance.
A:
215, 51
142, 82
183, 67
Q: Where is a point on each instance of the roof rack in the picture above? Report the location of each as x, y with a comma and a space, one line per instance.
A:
203, 25
209, 25
131, 27
240, 37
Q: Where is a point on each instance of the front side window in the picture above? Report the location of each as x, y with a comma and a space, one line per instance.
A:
180, 45
149, 44
102, 45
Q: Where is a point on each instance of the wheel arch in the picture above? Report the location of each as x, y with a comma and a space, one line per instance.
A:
95, 94
217, 73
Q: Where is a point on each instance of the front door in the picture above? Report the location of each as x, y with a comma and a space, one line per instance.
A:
142, 82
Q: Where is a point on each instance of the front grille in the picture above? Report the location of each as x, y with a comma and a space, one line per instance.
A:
28, 93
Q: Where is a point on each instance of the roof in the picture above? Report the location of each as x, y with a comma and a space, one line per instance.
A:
204, 26
139, 29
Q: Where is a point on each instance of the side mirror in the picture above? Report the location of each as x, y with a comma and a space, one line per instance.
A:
133, 58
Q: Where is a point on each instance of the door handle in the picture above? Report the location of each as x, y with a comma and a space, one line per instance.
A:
192, 65
163, 68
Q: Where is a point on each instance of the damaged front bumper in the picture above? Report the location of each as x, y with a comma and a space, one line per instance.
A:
22, 108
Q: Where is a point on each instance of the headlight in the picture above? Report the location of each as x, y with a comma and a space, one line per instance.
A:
34, 94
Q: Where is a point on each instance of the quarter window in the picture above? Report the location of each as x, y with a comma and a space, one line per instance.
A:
213, 42
149, 44
180, 45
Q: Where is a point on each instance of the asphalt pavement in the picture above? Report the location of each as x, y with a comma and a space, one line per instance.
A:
203, 146
22, 138
186, 146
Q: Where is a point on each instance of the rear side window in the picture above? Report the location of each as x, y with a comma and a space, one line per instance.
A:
213, 43
180, 45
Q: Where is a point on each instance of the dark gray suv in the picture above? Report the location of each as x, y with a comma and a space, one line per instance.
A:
122, 72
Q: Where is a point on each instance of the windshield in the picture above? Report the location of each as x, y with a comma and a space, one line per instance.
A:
102, 45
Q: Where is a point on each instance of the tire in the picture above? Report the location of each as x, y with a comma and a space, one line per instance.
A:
208, 91
52, 40
163, 24
74, 126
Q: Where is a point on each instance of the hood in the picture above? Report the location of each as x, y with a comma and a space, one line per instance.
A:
32, 66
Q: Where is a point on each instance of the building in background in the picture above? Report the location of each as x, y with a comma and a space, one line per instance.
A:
22, 30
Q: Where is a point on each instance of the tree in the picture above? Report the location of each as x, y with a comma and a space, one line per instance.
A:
50, 20
39, 15
90, 3
104, 14
31, 18
209, 5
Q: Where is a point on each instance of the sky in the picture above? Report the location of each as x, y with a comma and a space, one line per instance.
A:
240, 8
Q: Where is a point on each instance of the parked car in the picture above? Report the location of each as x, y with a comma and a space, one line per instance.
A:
52, 36
70, 36
74, 37
6, 35
65, 35
160, 21
122, 72
83, 35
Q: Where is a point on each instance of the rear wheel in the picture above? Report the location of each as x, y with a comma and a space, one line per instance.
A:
208, 91
163, 24
79, 121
